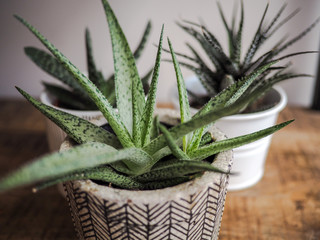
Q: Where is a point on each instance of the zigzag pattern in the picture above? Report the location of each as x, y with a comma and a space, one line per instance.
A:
197, 217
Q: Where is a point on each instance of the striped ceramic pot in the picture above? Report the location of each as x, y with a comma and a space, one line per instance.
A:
192, 210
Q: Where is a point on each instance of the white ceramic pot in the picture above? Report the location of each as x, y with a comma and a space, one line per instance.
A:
249, 160
192, 210
55, 135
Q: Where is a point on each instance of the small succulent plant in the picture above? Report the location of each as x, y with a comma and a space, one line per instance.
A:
140, 153
70, 95
230, 67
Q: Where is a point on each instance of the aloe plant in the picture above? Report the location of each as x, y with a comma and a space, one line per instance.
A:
141, 153
230, 67
70, 94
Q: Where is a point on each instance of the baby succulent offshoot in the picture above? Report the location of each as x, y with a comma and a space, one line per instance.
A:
141, 153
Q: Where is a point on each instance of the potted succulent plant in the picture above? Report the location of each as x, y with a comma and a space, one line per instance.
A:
139, 178
231, 68
68, 95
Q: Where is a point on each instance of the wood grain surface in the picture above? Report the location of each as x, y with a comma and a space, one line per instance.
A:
285, 204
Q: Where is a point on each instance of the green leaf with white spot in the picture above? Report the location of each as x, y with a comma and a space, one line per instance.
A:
80, 157
177, 169
85, 156
183, 96
78, 129
147, 117
94, 75
128, 86
103, 173
52, 66
231, 143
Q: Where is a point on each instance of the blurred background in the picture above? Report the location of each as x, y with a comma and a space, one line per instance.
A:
63, 22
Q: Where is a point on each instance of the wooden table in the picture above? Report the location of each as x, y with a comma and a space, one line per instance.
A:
285, 204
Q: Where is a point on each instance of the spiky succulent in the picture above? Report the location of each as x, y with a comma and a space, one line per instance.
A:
140, 152
230, 67
70, 94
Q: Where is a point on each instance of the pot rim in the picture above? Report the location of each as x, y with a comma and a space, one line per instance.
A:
222, 160
47, 99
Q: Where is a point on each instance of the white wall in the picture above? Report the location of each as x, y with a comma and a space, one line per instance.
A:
63, 23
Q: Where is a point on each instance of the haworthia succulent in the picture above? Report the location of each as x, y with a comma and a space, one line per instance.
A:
230, 68
128, 86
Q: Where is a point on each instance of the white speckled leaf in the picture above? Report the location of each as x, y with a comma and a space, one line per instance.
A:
183, 96
147, 117
224, 145
77, 128
85, 156
128, 86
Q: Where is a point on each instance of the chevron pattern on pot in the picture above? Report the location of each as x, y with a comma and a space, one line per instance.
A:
195, 217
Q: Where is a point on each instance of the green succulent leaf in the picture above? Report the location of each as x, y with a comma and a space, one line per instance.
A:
196, 122
80, 157
109, 87
177, 169
103, 173
231, 143
229, 31
296, 38
275, 19
77, 128
128, 86
204, 44
175, 149
53, 67
142, 43
238, 39
256, 42
185, 114
147, 117
69, 99
94, 75
94, 93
